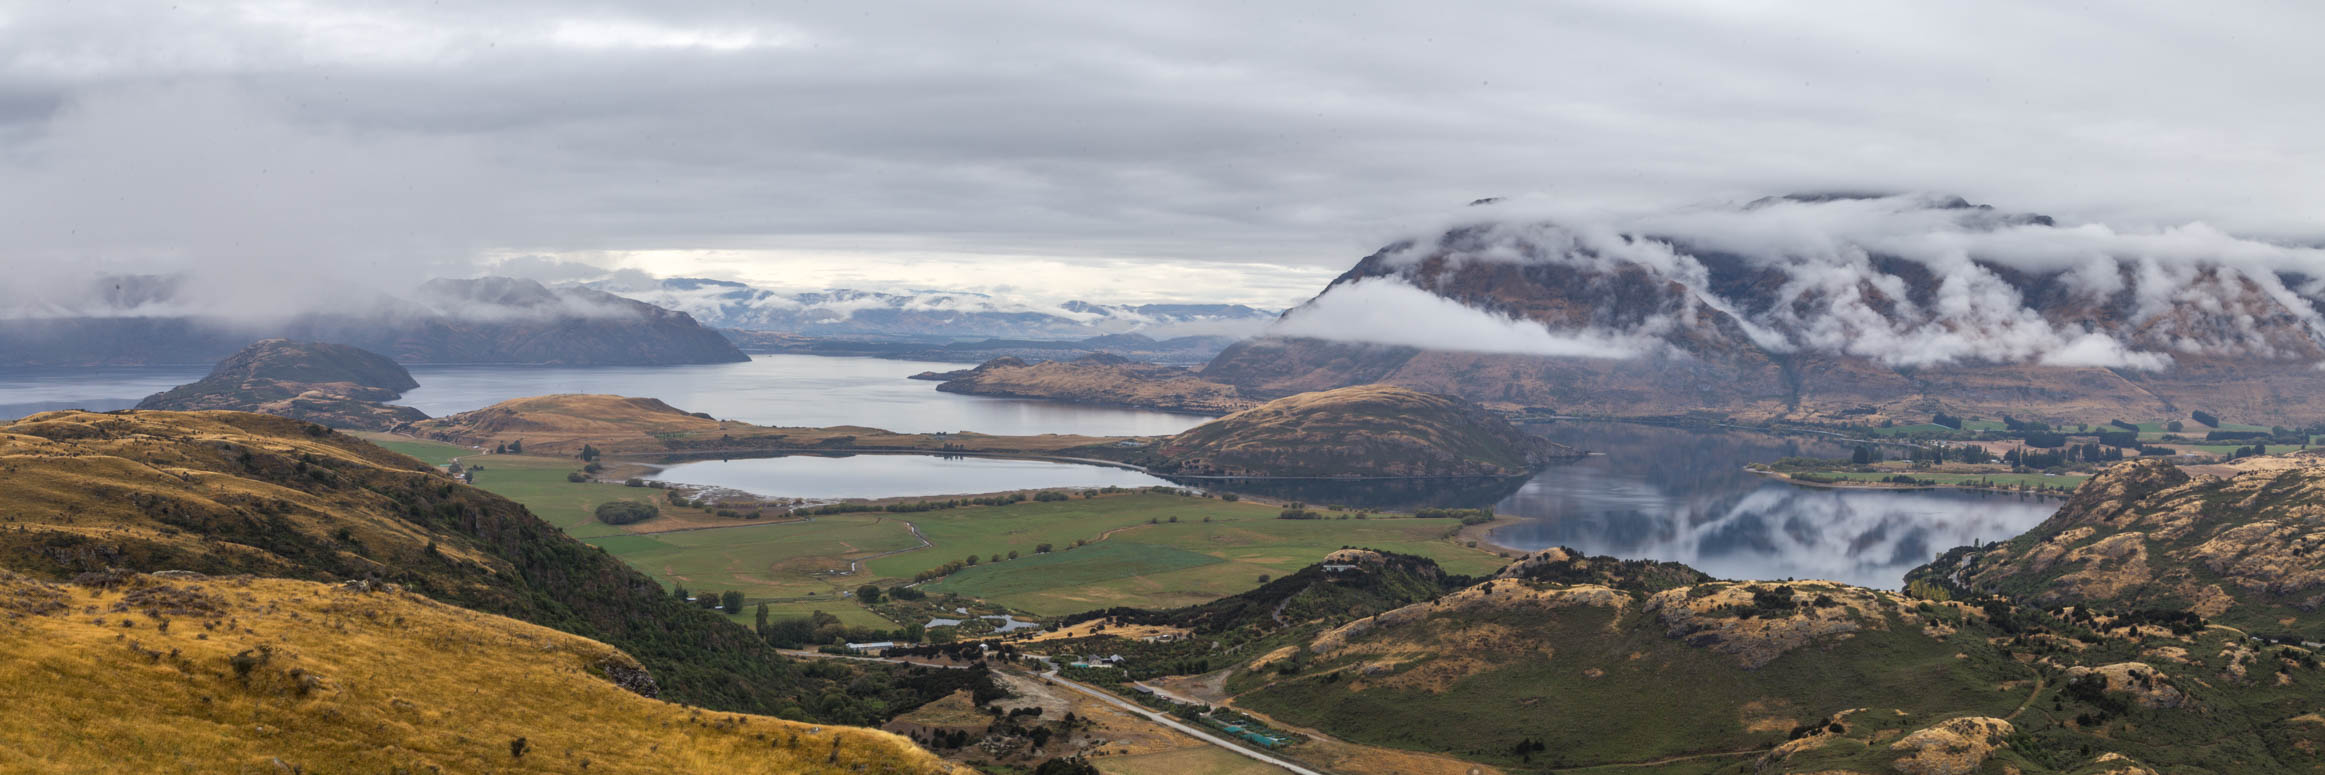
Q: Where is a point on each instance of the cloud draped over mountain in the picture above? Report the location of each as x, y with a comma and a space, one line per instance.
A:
1905, 280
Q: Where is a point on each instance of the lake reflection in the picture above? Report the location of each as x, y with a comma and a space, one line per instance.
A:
1683, 495
883, 476
1670, 494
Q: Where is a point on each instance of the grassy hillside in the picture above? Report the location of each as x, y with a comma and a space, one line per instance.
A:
1368, 430
225, 493
2241, 549
1564, 661
132, 673
333, 384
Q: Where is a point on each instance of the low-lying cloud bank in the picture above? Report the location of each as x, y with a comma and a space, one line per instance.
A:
1907, 280
1392, 312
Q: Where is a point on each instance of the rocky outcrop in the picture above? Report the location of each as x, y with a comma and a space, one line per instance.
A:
1956, 746
336, 385
2246, 549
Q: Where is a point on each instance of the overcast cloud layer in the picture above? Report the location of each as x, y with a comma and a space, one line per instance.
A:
1196, 151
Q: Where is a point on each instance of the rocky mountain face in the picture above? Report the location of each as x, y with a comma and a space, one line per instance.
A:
942, 315
2246, 548
483, 320
1370, 430
1814, 304
336, 385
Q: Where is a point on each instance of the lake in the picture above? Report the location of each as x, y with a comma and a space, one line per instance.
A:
793, 390
881, 476
1655, 492
102, 388
1683, 495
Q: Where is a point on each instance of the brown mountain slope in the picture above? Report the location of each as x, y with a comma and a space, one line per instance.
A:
337, 385
1369, 430
228, 492
2246, 549
133, 673
1100, 379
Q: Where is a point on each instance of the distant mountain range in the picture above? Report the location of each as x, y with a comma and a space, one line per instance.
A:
936, 314
1814, 305
150, 320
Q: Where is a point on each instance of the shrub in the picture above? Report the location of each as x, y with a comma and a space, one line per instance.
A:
626, 512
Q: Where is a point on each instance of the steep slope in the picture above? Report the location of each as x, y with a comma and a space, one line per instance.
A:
332, 384
1099, 379
481, 320
135, 673
1812, 305
1369, 430
2245, 549
225, 493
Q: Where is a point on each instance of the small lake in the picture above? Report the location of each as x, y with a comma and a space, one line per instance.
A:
883, 476
1683, 495
792, 390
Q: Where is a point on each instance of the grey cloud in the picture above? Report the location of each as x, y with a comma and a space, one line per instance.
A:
1293, 133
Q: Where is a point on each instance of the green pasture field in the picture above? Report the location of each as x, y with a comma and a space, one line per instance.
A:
798, 567
435, 453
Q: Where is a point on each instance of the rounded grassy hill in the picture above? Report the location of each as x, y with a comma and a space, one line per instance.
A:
1367, 430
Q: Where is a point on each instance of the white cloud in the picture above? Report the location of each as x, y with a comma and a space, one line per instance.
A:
1391, 312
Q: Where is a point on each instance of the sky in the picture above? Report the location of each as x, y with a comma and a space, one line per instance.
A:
1188, 151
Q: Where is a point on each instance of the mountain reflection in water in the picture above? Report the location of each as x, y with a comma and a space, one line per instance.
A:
1683, 495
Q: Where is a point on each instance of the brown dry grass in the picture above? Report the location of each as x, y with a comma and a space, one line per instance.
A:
131, 679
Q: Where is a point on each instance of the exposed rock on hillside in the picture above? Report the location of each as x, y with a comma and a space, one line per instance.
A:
2246, 549
332, 384
1370, 430
1099, 379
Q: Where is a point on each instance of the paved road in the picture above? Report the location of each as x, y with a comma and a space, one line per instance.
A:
1165, 720
1053, 677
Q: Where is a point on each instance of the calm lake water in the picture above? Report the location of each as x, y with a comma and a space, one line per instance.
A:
793, 390
880, 476
26, 391
1659, 493
1683, 495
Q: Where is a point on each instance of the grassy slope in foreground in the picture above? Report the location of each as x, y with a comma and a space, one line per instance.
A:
1367, 430
1568, 661
142, 675
226, 492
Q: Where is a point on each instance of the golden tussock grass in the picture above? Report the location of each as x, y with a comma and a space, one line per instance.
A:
279, 676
